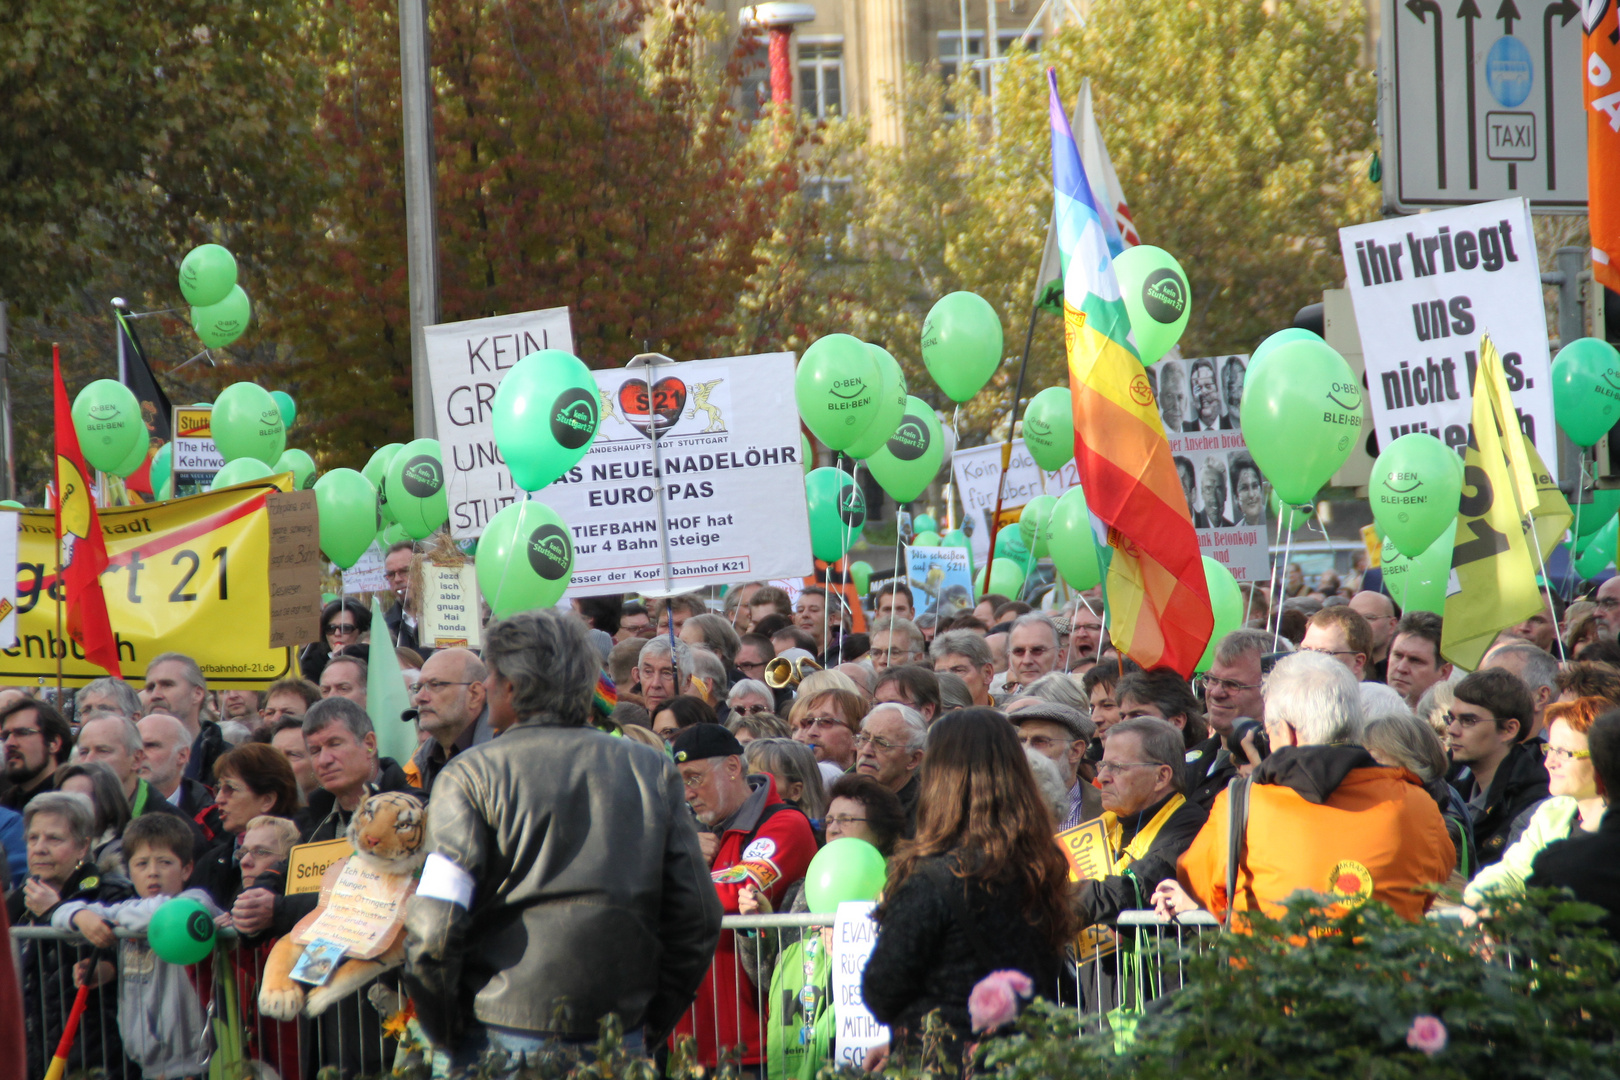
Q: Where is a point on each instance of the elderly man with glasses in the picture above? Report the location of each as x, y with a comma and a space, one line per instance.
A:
889, 749
451, 708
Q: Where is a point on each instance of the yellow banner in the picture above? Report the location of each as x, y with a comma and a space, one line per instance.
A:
189, 575
1494, 568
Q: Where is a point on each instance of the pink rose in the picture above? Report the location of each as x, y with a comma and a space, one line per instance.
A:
994, 1000
1428, 1034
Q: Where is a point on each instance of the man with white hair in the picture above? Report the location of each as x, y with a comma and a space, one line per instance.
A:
889, 749
115, 741
1320, 814
165, 753
662, 668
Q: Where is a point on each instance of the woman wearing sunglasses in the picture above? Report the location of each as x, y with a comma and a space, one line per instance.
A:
343, 623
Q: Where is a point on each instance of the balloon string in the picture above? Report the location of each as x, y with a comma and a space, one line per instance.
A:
1546, 582
1276, 635
1575, 536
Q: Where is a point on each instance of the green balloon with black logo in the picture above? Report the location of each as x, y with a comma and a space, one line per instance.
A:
1049, 428
376, 469
892, 402
1156, 297
107, 419
1415, 489
414, 483
545, 414
300, 464
525, 559
837, 512
1301, 416
911, 457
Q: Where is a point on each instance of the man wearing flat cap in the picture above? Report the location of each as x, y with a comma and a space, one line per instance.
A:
1062, 733
752, 838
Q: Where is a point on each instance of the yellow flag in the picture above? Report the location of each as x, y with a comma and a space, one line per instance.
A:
1494, 571
1552, 516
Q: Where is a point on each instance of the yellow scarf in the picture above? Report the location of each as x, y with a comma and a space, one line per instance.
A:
1144, 836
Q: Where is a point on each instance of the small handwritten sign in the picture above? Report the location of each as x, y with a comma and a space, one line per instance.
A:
362, 912
295, 568
450, 613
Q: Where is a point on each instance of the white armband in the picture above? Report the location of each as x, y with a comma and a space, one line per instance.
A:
444, 880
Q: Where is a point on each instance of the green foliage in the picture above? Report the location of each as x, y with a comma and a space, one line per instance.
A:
1531, 993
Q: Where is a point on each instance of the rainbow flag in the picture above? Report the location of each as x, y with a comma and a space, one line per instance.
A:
1158, 601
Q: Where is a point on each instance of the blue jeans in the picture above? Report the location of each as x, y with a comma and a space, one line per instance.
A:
516, 1043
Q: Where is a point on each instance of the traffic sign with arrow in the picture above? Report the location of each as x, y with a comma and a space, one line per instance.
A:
1519, 106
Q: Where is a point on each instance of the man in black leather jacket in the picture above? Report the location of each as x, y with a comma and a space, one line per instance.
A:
565, 879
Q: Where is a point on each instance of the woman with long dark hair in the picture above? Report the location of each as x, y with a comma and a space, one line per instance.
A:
982, 888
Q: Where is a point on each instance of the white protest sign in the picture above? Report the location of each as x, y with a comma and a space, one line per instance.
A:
194, 459
466, 362
1199, 402
854, 934
450, 611
366, 575
1425, 289
8, 578
734, 507
978, 471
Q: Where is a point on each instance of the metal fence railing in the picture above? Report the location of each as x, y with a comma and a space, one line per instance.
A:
769, 991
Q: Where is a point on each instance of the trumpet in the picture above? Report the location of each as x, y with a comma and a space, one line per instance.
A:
782, 672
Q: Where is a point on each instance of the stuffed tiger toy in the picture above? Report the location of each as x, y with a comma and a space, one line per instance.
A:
389, 834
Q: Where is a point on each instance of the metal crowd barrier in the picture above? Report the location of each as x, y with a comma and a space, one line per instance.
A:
350, 1035
1141, 959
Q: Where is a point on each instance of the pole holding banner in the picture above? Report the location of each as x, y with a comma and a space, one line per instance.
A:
421, 228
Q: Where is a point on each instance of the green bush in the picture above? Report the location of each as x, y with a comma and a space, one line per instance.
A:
1530, 992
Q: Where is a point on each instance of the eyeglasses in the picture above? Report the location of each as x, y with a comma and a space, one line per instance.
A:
1558, 753
697, 780
744, 665
1207, 683
19, 733
842, 820
434, 685
1043, 743
657, 673
261, 853
863, 739
1111, 767
1463, 720
342, 628
751, 710
822, 721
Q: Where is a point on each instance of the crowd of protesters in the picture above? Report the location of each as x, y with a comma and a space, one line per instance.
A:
584, 845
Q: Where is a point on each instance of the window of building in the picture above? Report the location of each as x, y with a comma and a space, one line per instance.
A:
952, 56
821, 77
755, 85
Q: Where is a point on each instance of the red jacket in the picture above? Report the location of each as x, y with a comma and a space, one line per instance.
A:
778, 849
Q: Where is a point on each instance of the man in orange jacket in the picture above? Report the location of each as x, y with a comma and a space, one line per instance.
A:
1323, 816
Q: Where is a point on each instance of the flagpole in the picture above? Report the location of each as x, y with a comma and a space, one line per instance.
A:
61, 586
1006, 447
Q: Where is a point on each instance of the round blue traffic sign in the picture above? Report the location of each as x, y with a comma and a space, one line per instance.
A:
1509, 72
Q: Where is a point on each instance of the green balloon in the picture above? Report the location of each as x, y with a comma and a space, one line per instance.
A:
860, 572
910, 459
1294, 517
1415, 488
847, 869
1006, 578
218, 325
392, 535
240, 471
137, 457
164, 491
1301, 416
375, 470
1420, 584
837, 512
1596, 514
1035, 524
300, 464
1281, 337
247, 424
181, 931
808, 459
961, 344
107, 419
12, 504
546, 412
288, 407
1586, 389
926, 539
838, 386
207, 275
1600, 550
956, 538
525, 558
162, 465
891, 406
347, 504
1072, 543
924, 523
1049, 428
415, 487
1157, 298
1226, 602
